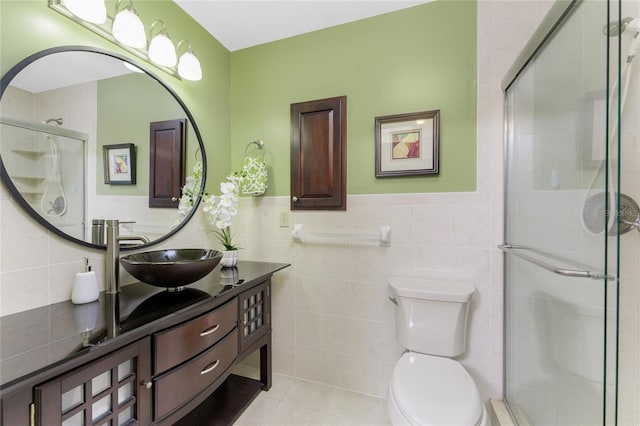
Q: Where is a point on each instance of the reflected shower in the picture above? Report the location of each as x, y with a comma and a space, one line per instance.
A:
54, 194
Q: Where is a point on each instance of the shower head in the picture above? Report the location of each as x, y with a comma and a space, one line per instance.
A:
615, 28
58, 121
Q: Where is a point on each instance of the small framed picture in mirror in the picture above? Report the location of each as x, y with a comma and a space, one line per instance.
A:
119, 164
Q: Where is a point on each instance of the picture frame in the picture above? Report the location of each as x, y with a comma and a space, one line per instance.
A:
408, 144
119, 164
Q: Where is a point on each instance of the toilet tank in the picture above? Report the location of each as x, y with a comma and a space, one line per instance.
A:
431, 316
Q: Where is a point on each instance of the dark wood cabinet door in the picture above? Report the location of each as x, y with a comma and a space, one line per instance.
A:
167, 162
254, 314
318, 154
112, 390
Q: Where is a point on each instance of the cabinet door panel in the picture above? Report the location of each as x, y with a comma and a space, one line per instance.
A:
108, 391
318, 154
254, 314
167, 168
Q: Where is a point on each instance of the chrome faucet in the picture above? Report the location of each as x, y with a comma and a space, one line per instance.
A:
112, 257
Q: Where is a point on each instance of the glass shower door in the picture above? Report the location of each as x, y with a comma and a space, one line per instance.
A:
560, 300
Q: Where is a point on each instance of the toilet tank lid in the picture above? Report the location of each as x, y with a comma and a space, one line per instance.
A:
448, 291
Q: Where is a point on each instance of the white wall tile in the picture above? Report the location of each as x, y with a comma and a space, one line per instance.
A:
369, 301
335, 297
308, 329
25, 244
24, 289
433, 225
308, 363
335, 334
335, 369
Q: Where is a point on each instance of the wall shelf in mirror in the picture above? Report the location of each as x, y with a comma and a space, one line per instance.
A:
28, 152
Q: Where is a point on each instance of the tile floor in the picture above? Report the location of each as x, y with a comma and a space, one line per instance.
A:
295, 402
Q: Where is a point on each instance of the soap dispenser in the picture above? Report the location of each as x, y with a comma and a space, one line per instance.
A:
85, 285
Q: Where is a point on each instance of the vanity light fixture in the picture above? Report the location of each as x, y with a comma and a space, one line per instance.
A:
161, 49
93, 11
127, 26
127, 31
189, 65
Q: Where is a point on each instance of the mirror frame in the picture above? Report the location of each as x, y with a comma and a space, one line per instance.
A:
17, 196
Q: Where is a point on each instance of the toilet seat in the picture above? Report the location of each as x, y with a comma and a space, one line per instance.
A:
431, 390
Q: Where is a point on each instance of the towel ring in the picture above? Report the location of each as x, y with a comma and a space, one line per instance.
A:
258, 143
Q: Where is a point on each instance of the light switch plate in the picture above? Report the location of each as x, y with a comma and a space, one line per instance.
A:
284, 219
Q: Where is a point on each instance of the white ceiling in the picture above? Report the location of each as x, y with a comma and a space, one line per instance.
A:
65, 69
238, 24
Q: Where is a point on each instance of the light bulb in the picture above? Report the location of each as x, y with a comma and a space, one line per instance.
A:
128, 28
189, 66
93, 11
161, 50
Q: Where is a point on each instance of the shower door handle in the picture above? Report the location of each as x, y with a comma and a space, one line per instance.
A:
521, 252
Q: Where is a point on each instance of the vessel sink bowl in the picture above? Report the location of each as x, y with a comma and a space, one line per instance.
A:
171, 268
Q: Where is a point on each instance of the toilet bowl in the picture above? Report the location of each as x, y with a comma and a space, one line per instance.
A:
429, 390
427, 386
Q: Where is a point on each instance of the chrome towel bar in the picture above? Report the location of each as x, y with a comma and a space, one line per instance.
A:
521, 252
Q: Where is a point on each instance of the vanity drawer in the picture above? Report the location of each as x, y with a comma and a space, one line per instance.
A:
176, 345
177, 387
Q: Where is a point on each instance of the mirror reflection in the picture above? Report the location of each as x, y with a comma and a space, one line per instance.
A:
57, 114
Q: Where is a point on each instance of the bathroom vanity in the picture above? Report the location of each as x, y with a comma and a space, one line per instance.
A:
146, 356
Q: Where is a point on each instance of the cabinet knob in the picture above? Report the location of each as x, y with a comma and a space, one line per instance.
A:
294, 199
146, 384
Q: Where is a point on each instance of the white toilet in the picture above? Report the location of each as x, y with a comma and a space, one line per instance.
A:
427, 386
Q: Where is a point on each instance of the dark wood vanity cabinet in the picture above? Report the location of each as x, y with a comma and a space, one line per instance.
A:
177, 371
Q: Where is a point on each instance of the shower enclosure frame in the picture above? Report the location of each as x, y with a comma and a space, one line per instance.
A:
554, 19
50, 130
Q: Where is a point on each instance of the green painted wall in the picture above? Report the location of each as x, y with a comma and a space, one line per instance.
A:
141, 100
417, 59
28, 26
413, 60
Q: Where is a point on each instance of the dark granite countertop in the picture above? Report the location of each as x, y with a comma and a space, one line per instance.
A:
38, 339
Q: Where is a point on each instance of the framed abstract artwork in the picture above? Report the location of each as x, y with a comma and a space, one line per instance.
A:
119, 164
408, 144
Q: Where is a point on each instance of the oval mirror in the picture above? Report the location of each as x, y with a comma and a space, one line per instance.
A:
76, 129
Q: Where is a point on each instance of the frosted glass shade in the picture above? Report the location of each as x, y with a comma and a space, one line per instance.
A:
93, 11
189, 66
161, 50
128, 29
